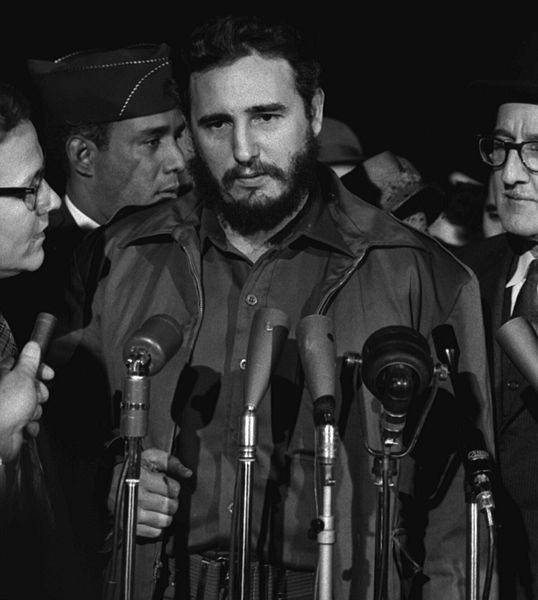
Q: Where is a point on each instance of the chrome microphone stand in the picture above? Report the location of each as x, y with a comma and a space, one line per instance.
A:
268, 333
327, 448
316, 342
133, 427
242, 507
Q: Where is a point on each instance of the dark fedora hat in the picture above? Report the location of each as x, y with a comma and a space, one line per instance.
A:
516, 79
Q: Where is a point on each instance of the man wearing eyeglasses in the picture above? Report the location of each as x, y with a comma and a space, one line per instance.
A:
34, 563
503, 263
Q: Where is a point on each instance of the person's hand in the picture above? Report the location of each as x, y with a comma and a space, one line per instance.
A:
22, 391
158, 491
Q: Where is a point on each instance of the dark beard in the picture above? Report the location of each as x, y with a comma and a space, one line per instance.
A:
248, 218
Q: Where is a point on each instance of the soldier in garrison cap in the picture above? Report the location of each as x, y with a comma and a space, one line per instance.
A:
115, 137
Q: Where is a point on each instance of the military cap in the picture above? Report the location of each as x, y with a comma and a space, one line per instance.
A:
99, 86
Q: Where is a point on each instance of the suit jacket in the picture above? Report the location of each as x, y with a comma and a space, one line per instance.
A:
516, 422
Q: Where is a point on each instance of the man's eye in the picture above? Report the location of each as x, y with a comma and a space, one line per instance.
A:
266, 118
153, 142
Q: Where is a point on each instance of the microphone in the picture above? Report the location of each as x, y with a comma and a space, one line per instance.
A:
518, 339
154, 343
42, 331
268, 333
478, 468
145, 353
396, 366
315, 338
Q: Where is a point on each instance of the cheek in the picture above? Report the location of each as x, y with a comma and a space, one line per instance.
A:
519, 218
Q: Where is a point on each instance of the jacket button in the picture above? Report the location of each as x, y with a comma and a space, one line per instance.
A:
513, 384
243, 364
251, 300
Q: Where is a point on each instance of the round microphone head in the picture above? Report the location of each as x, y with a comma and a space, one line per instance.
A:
395, 346
160, 336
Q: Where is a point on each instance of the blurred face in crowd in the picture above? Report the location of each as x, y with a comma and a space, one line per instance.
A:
143, 163
255, 141
514, 187
491, 222
21, 226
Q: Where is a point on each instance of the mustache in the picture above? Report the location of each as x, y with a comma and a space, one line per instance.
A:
252, 171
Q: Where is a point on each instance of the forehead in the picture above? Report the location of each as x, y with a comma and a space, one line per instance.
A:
519, 116
249, 81
165, 122
20, 156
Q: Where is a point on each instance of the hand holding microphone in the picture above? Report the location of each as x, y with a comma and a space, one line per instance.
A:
22, 389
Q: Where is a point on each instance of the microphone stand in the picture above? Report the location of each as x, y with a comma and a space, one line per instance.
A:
242, 507
268, 333
472, 552
133, 427
385, 470
326, 451
479, 498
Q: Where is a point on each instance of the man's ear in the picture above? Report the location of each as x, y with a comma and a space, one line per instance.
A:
81, 155
317, 110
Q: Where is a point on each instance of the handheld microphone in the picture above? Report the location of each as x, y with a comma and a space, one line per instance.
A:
396, 367
268, 333
145, 353
518, 339
42, 331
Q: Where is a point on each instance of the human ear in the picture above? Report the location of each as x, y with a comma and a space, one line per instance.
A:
317, 110
80, 153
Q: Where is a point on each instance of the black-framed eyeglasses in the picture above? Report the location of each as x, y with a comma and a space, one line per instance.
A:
27, 194
494, 151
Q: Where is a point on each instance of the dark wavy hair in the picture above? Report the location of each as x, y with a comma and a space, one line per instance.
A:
14, 108
224, 40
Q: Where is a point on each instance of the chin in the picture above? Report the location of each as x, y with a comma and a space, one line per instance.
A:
34, 262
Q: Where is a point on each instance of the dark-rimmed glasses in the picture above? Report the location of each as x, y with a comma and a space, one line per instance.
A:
494, 151
27, 194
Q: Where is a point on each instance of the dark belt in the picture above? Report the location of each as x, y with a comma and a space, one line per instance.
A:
209, 580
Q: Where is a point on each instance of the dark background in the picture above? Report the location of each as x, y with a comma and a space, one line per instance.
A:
403, 90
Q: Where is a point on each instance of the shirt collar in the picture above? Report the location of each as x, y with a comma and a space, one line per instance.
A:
81, 219
520, 273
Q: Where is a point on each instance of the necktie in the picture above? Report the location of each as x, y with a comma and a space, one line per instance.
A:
527, 300
7, 342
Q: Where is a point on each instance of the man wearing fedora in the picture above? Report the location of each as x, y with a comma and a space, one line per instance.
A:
503, 263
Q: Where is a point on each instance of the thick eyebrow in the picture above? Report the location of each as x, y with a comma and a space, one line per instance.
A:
257, 109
